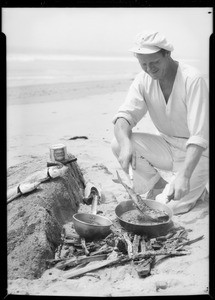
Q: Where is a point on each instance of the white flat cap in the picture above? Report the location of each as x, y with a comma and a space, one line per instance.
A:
148, 42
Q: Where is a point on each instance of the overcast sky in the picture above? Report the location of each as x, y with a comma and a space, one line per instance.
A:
105, 31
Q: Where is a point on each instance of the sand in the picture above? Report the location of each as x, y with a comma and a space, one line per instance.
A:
58, 113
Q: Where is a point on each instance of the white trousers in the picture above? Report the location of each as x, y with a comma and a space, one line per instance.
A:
165, 153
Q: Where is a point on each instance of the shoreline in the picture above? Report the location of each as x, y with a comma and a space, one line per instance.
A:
51, 92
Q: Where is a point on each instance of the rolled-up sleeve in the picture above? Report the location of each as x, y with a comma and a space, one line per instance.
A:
134, 107
198, 113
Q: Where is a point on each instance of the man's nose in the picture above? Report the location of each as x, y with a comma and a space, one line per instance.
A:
148, 68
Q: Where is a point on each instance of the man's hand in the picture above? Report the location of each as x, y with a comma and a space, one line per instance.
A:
181, 185
179, 188
127, 156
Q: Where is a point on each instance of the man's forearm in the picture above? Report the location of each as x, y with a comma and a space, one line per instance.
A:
192, 158
122, 131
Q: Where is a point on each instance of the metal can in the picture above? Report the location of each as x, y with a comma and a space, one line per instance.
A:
58, 152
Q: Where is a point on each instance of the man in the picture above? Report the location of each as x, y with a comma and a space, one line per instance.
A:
176, 97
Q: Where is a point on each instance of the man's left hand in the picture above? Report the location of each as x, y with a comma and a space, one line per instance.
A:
179, 188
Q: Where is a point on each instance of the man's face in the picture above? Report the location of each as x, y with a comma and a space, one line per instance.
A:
154, 64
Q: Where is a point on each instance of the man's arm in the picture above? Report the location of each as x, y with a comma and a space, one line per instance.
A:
122, 131
181, 185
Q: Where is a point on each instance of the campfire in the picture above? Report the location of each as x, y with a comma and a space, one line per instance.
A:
77, 256
84, 249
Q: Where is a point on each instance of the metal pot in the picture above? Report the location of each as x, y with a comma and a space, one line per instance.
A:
151, 230
91, 226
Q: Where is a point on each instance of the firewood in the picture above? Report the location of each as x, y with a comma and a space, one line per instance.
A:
162, 238
69, 241
190, 241
129, 244
156, 246
92, 267
142, 245
80, 260
104, 249
159, 259
149, 253
83, 244
136, 244
144, 268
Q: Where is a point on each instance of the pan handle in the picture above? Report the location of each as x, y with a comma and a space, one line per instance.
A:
94, 205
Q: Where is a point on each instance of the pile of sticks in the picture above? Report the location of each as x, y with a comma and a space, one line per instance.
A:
77, 257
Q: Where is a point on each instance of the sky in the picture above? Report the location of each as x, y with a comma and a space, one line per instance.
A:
105, 31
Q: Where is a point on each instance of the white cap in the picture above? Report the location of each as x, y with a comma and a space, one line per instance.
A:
149, 42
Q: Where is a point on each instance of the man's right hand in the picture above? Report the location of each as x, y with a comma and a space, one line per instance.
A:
127, 156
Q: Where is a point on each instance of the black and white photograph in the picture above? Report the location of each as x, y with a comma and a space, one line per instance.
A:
107, 150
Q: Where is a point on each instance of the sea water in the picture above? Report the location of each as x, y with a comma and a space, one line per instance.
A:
24, 69
30, 70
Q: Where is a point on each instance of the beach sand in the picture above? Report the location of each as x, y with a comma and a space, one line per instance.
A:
39, 116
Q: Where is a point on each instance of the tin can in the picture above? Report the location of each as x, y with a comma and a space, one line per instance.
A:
58, 152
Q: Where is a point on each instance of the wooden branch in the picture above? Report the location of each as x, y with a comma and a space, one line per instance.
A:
104, 249
92, 267
161, 252
142, 245
80, 260
83, 244
190, 242
129, 244
136, 244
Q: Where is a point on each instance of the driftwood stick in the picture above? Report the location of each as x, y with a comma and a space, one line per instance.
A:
93, 267
83, 244
190, 242
103, 249
80, 260
136, 244
142, 245
149, 253
129, 244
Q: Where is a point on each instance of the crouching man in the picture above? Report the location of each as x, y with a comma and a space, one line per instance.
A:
176, 97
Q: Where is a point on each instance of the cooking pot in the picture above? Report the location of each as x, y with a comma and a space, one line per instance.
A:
151, 230
91, 226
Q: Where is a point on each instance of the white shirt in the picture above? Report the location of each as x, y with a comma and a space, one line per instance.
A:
185, 115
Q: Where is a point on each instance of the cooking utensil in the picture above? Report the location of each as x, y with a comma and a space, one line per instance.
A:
91, 226
149, 214
150, 229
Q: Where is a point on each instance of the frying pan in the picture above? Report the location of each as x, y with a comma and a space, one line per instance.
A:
91, 226
151, 230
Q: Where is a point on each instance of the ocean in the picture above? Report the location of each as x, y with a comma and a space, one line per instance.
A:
23, 70
27, 70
